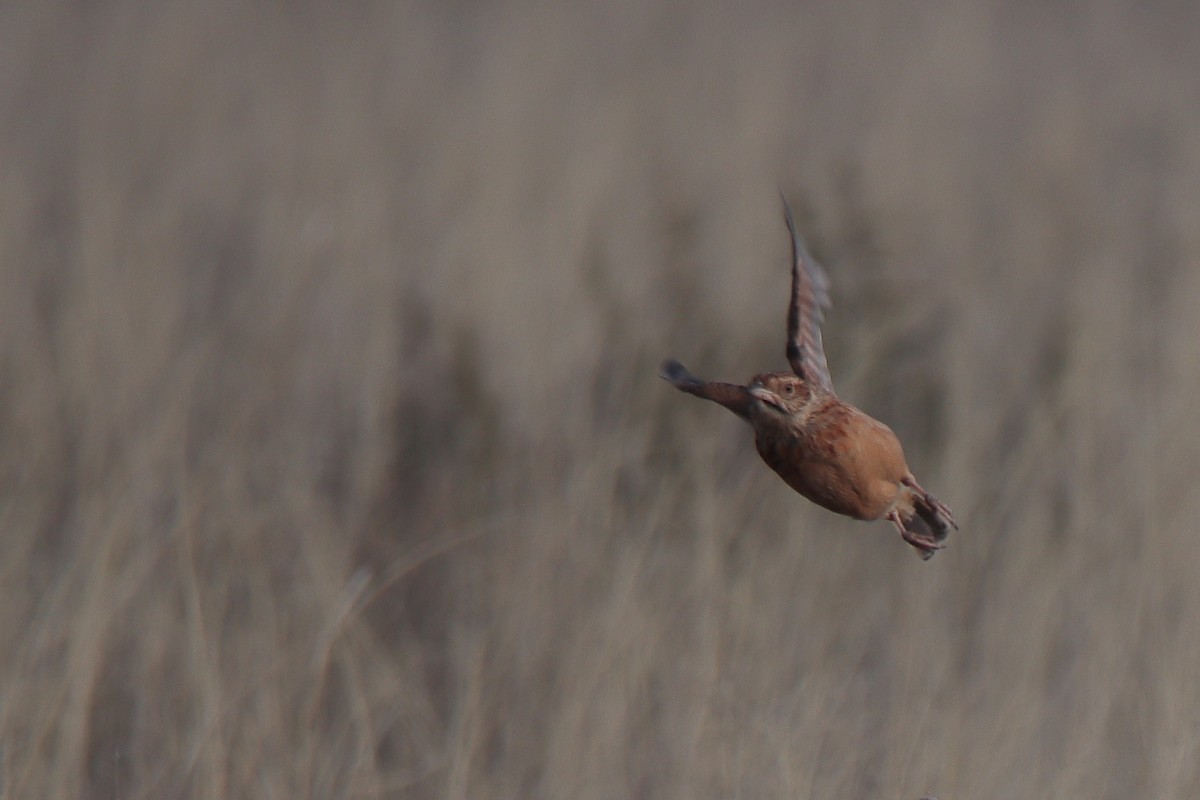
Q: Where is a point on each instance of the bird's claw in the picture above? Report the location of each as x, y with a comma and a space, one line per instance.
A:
926, 545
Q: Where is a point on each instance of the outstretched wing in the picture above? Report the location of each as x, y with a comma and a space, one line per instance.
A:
810, 298
736, 398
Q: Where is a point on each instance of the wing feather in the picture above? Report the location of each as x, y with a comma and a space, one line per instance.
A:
806, 311
736, 398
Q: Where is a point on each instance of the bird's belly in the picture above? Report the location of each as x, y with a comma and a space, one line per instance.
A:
833, 478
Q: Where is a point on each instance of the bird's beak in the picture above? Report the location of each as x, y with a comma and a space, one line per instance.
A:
760, 392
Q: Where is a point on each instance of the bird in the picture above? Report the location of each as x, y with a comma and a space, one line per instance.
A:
830, 452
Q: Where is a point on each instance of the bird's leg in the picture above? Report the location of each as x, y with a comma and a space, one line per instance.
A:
926, 545
942, 509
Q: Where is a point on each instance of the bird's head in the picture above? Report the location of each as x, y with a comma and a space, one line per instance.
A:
779, 395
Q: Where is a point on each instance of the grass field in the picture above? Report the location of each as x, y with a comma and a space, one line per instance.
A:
334, 463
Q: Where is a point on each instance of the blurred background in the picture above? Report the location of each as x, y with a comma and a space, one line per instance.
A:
334, 461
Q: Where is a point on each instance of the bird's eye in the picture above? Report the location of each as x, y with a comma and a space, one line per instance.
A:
788, 389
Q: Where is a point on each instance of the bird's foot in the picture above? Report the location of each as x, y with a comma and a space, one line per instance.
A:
940, 508
926, 545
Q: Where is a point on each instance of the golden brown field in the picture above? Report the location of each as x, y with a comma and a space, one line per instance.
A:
334, 463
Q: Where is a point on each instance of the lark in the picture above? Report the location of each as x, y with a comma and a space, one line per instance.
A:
826, 449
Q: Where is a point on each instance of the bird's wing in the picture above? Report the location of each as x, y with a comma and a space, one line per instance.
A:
736, 398
810, 298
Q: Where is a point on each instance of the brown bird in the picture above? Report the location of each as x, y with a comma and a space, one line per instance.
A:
827, 450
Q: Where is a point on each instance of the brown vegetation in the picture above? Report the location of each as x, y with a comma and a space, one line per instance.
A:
334, 461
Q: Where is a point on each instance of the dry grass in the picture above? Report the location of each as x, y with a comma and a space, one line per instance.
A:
333, 462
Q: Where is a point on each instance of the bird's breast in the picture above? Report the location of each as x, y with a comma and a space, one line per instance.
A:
839, 458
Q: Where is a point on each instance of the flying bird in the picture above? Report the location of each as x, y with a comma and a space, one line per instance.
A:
826, 449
